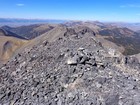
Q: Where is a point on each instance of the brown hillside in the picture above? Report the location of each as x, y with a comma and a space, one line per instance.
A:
8, 45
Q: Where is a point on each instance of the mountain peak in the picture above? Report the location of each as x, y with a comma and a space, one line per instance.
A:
69, 67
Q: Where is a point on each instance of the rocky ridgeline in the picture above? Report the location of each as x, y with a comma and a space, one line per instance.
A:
73, 70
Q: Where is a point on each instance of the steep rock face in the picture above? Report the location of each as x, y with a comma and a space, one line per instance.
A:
70, 71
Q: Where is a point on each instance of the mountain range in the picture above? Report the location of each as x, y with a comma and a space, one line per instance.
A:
72, 63
20, 22
127, 40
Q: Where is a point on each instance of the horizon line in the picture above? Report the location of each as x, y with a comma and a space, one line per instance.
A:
90, 20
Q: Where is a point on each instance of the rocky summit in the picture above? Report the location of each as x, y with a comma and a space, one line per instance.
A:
74, 69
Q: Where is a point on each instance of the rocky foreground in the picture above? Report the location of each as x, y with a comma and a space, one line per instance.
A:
75, 69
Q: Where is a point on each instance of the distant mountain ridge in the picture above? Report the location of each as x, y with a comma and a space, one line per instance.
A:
10, 34
20, 22
125, 37
132, 26
30, 31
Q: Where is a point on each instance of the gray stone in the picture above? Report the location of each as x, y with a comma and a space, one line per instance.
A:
112, 99
73, 60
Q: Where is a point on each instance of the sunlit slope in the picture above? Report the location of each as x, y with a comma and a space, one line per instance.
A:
9, 43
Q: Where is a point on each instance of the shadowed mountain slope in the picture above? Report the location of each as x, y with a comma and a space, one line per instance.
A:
30, 31
125, 37
4, 32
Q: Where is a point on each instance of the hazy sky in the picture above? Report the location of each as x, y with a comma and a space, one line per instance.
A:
102, 10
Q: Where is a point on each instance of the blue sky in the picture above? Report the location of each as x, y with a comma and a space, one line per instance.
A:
102, 10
